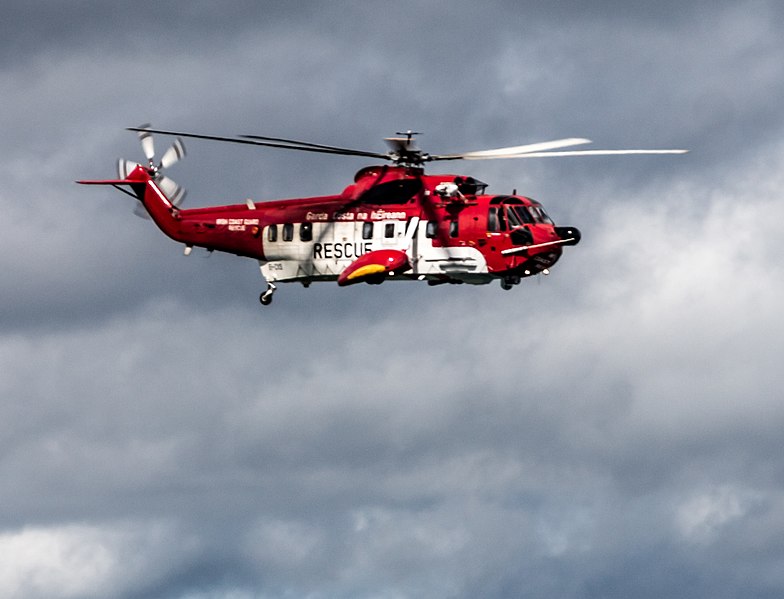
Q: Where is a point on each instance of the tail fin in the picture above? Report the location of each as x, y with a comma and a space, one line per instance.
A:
145, 189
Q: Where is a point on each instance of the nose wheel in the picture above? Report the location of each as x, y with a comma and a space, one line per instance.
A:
266, 297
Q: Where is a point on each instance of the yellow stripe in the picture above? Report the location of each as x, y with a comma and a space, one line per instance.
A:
364, 271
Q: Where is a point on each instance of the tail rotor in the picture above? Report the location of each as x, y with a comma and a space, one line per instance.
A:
174, 192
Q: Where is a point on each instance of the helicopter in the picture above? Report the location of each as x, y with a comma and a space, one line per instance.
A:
393, 222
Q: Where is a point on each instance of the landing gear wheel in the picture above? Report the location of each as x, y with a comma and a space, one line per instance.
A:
266, 297
508, 282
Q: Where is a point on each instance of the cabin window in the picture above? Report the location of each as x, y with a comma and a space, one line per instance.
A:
306, 232
272, 233
288, 232
389, 230
367, 230
431, 230
492, 220
453, 232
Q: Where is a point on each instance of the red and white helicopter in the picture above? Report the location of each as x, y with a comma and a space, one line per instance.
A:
394, 222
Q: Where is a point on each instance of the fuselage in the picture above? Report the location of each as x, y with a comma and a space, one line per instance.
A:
449, 229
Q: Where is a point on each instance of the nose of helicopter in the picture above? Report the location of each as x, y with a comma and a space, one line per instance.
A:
569, 235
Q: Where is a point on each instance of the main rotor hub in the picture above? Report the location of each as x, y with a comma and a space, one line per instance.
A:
403, 150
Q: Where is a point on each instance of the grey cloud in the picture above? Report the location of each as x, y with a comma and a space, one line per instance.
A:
612, 430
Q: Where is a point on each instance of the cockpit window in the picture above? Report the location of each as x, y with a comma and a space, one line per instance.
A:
501, 219
516, 211
492, 220
539, 215
518, 216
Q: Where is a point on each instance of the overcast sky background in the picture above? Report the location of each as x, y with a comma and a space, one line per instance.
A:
613, 430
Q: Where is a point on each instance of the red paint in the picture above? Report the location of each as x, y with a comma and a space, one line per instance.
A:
467, 219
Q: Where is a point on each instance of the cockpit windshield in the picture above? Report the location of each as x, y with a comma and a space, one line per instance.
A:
539, 215
518, 216
512, 211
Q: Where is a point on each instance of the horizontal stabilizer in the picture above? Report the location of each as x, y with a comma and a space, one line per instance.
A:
107, 182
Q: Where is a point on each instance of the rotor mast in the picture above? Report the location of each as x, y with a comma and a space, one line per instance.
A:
403, 150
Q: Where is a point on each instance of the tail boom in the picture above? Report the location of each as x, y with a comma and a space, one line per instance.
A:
200, 227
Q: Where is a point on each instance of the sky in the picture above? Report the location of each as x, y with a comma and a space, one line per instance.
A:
610, 431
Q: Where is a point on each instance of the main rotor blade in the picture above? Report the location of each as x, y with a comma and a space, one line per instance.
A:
593, 153
541, 151
276, 143
514, 151
307, 144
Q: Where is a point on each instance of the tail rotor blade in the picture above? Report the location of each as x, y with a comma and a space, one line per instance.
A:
171, 190
125, 168
167, 186
174, 154
148, 145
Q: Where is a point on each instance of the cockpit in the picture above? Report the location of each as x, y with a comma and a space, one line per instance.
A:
507, 213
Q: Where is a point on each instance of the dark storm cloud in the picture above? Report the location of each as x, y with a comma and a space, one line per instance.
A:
611, 431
